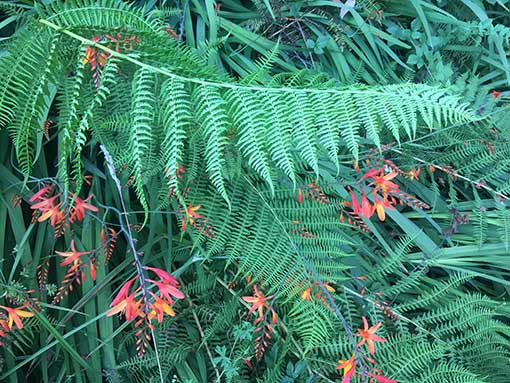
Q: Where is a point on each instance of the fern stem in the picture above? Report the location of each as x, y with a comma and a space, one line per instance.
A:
226, 85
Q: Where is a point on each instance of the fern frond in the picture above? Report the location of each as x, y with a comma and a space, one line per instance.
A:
314, 322
142, 113
92, 14
211, 115
32, 80
247, 115
176, 119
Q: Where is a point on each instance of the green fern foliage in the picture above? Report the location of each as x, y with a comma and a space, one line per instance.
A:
244, 173
274, 129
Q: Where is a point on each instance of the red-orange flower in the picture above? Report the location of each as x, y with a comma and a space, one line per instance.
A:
54, 213
93, 273
307, 293
368, 335
372, 173
47, 207
347, 365
364, 209
168, 286
41, 193
414, 174
384, 184
168, 291
160, 307
72, 255
128, 305
380, 205
80, 207
165, 276
496, 94
348, 376
259, 301
191, 215
14, 316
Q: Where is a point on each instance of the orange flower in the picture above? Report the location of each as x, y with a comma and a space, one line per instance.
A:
168, 291
365, 210
380, 205
54, 213
372, 173
129, 306
307, 294
159, 308
72, 256
347, 365
15, 315
348, 376
414, 174
368, 335
168, 286
122, 300
93, 273
191, 215
354, 204
80, 207
133, 307
41, 193
496, 94
47, 207
384, 184
45, 203
259, 301
123, 292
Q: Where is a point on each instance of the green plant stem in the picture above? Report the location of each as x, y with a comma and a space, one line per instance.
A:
198, 81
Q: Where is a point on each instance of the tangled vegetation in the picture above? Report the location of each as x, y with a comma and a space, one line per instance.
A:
255, 191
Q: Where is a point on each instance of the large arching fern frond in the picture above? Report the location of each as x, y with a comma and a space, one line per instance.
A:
275, 129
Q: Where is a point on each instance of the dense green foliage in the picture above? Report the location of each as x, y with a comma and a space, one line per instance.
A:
266, 117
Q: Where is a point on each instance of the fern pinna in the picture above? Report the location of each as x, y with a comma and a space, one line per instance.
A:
252, 219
